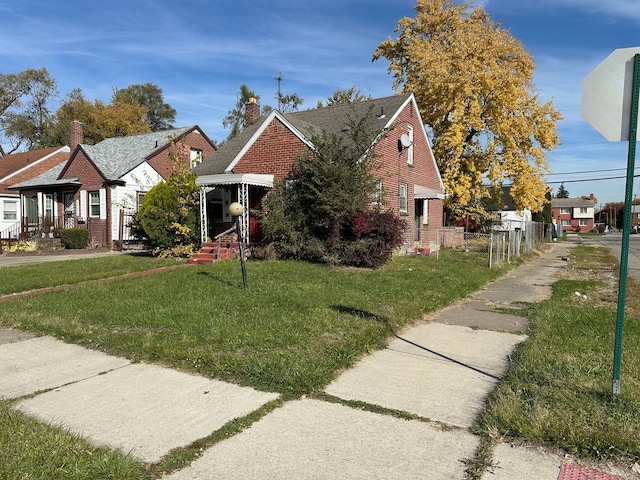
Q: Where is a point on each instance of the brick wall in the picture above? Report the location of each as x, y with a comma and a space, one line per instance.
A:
192, 140
274, 153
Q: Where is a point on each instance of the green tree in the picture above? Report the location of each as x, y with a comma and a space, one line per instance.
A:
169, 214
562, 192
25, 117
473, 84
100, 120
342, 97
235, 117
545, 215
322, 212
159, 115
288, 102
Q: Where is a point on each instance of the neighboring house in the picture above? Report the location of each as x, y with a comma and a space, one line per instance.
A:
98, 182
635, 218
510, 218
20, 167
246, 167
574, 214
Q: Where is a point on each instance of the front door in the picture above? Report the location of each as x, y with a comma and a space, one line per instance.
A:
69, 221
418, 212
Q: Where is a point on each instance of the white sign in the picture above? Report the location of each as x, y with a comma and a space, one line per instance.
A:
606, 95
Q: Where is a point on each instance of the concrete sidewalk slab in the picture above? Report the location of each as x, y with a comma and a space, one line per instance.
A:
42, 363
440, 372
522, 463
310, 439
470, 314
11, 335
145, 410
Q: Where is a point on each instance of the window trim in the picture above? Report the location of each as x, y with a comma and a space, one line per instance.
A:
6, 211
410, 148
403, 199
94, 194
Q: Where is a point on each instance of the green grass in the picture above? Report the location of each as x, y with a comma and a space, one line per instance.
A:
28, 277
290, 332
295, 328
558, 391
32, 450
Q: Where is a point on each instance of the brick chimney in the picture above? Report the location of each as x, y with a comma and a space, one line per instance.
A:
251, 112
75, 134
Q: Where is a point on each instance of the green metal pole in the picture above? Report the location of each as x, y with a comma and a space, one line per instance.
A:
626, 229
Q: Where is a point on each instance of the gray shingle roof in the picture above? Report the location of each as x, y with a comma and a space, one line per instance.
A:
114, 157
119, 155
309, 122
571, 202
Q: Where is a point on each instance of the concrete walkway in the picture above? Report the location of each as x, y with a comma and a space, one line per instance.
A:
441, 371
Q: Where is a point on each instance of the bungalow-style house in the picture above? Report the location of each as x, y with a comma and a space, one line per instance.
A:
246, 167
94, 186
574, 214
20, 167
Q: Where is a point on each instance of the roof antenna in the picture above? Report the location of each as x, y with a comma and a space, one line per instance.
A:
279, 79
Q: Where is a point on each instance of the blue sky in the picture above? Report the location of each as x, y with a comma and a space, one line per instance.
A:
199, 52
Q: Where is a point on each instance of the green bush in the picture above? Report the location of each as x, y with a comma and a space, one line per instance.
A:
74, 237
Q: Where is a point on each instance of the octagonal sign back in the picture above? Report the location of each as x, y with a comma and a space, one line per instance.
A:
606, 95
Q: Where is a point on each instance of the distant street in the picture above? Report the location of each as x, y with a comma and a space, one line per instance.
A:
614, 243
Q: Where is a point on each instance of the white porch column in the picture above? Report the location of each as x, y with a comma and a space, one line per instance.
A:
243, 199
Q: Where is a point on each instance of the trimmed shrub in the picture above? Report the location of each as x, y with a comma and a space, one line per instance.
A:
74, 237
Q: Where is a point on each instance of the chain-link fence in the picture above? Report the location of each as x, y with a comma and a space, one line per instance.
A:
499, 245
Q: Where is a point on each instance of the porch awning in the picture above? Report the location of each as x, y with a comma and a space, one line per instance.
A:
426, 192
235, 179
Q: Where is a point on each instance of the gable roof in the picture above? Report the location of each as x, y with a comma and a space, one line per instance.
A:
30, 164
113, 157
305, 124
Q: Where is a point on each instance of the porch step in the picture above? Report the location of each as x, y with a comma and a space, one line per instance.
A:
209, 253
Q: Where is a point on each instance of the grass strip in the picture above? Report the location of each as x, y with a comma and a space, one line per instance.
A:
68, 272
558, 390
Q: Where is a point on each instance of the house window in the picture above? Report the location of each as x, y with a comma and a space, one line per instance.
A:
583, 209
94, 204
140, 197
196, 157
566, 223
376, 198
410, 149
565, 210
31, 209
403, 194
10, 210
584, 222
48, 207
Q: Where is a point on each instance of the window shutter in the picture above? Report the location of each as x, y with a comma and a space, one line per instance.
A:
83, 213
103, 204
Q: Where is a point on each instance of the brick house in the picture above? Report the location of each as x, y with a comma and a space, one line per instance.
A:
246, 167
98, 182
574, 214
20, 167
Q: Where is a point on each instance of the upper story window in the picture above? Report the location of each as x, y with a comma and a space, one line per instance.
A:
583, 209
410, 148
196, 157
565, 210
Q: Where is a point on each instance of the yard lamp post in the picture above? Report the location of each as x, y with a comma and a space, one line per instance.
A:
236, 210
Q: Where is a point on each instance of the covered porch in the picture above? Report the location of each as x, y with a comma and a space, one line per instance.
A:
217, 192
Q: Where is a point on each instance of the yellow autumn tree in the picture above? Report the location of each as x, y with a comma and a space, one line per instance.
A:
473, 84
